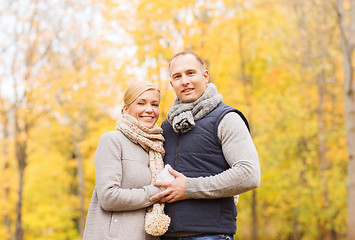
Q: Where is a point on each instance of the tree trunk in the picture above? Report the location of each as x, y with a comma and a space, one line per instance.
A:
303, 147
350, 130
295, 235
247, 83
347, 39
21, 156
255, 233
5, 151
21, 159
81, 189
19, 229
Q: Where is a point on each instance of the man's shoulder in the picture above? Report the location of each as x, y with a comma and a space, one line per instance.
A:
166, 126
223, 109
165, 123
231, 113
224, 106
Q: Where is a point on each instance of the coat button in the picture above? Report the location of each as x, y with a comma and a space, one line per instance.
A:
115, 220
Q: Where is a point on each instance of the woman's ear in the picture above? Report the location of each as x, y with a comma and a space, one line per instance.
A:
124, 109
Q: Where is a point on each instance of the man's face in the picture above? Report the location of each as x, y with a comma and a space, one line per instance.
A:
187, 78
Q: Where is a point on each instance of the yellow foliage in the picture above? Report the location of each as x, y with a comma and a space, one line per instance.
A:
268, 59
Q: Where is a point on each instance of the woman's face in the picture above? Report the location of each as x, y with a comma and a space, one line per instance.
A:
145, 108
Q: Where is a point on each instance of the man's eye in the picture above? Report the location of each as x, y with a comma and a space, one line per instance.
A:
155, 104
176, 77
140, 103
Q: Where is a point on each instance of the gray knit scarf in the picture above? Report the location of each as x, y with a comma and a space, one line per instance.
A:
182, 116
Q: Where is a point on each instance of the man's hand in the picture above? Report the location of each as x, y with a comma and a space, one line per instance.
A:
175, 190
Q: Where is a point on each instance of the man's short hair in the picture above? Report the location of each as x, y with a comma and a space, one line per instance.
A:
198, 58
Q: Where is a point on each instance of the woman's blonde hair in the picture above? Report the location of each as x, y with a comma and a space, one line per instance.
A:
135, 89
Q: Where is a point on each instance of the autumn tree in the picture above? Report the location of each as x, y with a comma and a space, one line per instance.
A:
30, 41
34, 37
5, 164
346, 19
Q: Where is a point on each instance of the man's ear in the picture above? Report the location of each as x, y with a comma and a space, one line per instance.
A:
206, 75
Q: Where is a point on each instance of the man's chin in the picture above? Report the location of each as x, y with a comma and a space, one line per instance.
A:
188, 99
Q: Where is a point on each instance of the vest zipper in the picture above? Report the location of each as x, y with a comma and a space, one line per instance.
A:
176, 152
177, 148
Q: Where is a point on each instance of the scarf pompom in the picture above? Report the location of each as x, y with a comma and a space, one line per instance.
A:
156, 221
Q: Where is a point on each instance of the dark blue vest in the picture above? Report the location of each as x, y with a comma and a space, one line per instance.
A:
198, 153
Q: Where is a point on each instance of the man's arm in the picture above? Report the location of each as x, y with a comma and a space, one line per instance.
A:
240, 153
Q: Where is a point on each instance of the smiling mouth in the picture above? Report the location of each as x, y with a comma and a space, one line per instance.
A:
147, 117
187, 90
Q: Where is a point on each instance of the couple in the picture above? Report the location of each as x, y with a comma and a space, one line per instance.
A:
208, 145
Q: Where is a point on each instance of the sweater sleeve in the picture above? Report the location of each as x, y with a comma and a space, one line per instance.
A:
240, 153
108, 171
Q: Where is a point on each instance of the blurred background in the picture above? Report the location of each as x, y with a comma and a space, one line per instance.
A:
286, 64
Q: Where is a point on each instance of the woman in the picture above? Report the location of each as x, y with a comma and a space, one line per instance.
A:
126, 163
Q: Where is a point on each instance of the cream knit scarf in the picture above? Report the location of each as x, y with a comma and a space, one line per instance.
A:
182, 116
151, 140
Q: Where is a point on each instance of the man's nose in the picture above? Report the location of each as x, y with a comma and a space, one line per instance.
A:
184, 79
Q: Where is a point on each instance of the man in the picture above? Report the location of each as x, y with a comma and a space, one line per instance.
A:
209, 146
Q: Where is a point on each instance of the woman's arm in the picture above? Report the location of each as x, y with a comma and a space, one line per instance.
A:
108, 172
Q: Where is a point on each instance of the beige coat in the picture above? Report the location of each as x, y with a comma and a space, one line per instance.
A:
122, 190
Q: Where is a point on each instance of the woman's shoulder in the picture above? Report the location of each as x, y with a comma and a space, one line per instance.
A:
113, 136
